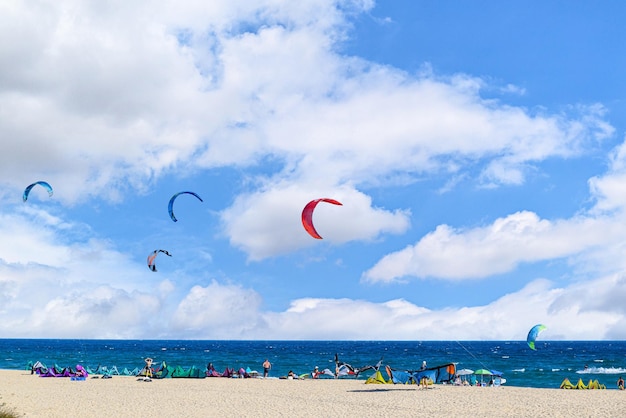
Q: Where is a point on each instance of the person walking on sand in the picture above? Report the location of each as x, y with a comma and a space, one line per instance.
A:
620, 383
266, 368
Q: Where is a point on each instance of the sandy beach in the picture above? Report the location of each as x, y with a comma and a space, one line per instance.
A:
33, 396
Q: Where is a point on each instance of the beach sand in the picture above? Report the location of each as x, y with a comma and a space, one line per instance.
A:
121, 396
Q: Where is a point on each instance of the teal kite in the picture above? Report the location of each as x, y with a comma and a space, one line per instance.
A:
170, 206
40, 183
532, 335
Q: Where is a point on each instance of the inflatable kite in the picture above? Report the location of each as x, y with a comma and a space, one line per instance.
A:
40, 183
532, 335
307, 215
152, 258
170, 206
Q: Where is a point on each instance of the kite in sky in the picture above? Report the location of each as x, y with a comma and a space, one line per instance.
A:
152, 258
40, 183
170, 206
532, 335
307, 215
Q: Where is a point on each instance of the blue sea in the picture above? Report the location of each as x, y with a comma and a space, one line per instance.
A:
546, 367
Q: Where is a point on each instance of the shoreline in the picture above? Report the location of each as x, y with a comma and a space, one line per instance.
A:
125, 396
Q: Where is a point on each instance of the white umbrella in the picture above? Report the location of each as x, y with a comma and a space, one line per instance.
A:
464, 372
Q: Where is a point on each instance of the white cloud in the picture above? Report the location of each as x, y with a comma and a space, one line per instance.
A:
102, 99
269, 223
498, 248
217, 311
567, 312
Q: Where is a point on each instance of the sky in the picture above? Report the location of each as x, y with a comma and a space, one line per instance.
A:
478, 152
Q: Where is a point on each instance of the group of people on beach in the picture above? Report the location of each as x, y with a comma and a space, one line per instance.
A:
267, 366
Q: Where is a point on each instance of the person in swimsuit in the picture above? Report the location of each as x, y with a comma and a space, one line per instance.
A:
266, 368
147, 370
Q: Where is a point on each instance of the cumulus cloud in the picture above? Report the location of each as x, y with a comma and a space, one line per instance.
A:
593, 239
255, 221
102, 99
217, 311
570, 313
497, 248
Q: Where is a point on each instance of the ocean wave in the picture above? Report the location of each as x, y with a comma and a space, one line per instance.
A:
602, 370
519, 370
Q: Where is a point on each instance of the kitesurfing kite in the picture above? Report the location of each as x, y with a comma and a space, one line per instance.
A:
376, 367
170, 206
532, 335
341, 368
40, 183
152, 257
307, 215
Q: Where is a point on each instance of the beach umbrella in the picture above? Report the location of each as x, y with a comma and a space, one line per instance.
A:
463, 373
481, 373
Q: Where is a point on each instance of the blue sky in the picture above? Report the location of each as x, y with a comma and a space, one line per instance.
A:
478, 153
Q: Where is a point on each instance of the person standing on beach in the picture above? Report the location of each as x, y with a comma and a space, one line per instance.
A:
266, 368
620, 383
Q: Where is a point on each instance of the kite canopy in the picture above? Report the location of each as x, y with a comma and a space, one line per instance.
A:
170, 206
30, 187
532, 335
307, 215
152, 258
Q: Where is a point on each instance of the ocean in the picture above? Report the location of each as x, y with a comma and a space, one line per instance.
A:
546, 367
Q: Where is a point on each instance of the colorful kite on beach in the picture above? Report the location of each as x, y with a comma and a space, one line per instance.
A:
40, 183
532, 335
152, 258
307, 215
170, 206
